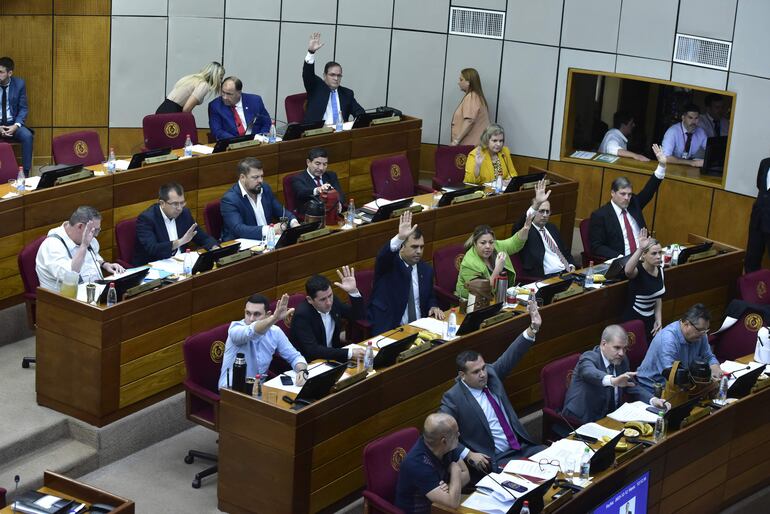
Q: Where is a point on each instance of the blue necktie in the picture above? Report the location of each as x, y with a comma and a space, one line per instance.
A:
335, 108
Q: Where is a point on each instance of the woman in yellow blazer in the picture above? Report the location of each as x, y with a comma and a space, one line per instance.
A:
490, 158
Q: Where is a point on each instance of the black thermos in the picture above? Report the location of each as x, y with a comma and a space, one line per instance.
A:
239, 373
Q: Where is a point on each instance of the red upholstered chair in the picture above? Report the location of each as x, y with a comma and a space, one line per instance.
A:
754, 287
278, 365
203, 359
637, 342
212, 216
739, 340
288, 194
392, 178
295, 107
26, 263
9, 168
518, 267
169, 130
2, 497
585, 237
125, 237
361, 329
446, 267
450, 165
83, 147
555, 378
382, 460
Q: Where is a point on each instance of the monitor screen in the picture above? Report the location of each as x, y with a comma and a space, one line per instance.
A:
631, 499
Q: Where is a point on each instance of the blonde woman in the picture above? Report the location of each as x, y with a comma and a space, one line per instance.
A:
490, 158
191, 90
646, 285
472, 115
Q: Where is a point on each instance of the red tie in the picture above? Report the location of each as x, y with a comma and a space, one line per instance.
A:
629, 233
318, 181
238, 122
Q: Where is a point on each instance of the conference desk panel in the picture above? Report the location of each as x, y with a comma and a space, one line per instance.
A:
325, 440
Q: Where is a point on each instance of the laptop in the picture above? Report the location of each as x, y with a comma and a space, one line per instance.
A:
616, 269
122, 284
534, 498
291, 234
387, 355
472, 321
546, 293
319, 386
52, 173
518, 181
138, 158
688, 252
207, 259
714, 158
743, 384
677, 414
222, 144
384, 212
295, 130
605, 456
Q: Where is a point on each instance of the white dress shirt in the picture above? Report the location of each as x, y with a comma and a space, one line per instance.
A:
613, 141
259, 211
171, 229
551, 262
395, 245
52, 259
329, 113
328, 322
634, 227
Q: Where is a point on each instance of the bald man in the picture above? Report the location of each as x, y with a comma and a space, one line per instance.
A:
432, 471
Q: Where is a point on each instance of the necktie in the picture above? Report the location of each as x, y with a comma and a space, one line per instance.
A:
613, 401
553, 247
318, 181
410, 306
687, 143
507, 430
4, 105
335, 108
238, 123
629, 233
717, 127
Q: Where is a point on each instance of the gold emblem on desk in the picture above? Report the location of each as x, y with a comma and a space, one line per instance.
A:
395, 172
753, 322
460, 159
217, 351
761, 289
80, 148
397, 458
171, 129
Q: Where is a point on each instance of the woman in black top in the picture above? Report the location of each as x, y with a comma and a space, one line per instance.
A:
646, 286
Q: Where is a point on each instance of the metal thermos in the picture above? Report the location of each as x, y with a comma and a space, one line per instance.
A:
239, 373
502, 287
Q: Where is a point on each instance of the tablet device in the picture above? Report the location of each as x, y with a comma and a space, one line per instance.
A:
688, 252
138, 158
365, 119
676, 415
743, 384
291, 234
122, 284
207, 259
295, 130
534, 498
222, 144
605, 456
320, 385
446, 198
387, 355
52, 173
386, 211
546, 293
472, 321
519, 180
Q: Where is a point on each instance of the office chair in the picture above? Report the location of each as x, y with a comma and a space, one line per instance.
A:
82, 147
382, 460
26, 263
555, 378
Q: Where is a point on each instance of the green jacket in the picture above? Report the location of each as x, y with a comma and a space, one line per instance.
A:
472, 266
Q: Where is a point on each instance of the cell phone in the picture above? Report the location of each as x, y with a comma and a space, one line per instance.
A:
286, 380
654, 410
514, 486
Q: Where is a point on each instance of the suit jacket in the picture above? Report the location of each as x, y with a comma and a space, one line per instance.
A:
392, 280
238, 218
152, 241
17, 100
587, 399
222, 122
303, 187
606, 234
760, 212
308, 333
534, 249
460, 403
318, 96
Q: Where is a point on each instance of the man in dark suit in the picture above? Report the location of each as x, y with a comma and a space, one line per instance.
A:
490, 431
759, 222
615, 225
403, 284
326, 99
165, 229
235, 113
544, 254
602, 377
13, 112
315, 329
315, 180
249, 207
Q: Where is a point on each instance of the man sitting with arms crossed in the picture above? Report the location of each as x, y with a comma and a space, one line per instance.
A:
490, 432
686, 341
315, 180
258, 338
403, 284
601, 378
432, 471
315, 329
73, 247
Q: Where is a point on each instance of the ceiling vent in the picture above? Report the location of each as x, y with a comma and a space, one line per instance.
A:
702, 51
477, 22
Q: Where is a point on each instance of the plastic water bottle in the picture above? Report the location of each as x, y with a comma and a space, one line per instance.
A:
188, 264
351, 216
589, 275
723, 386
585, 465
112, 295
271, 135
451, 324
369, 357
525, 508
271, 238
338, 126
111, 162
499, 183
20, 186
188, 146
660, 427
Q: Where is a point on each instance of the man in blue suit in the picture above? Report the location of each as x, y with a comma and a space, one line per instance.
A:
165, 229
250, 206
13, 111
235, 113
403, 285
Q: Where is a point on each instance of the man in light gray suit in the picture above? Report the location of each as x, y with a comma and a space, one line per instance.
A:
602, 377
490, 432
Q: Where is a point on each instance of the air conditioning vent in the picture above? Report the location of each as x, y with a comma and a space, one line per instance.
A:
477, 22
702, 51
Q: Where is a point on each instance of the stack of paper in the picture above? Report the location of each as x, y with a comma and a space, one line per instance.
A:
636, 411
561, 451
202, 149
596, 431
431, 325
531, 469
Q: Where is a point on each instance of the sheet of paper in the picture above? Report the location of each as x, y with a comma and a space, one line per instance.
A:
128, 272
530, 468
172, 265
312, 371
31, 183
606, 158
735, 366
83, 295
486, 503
431, 325
491, 484
596, 430
262, 138
202, 149
122, 164
156, 273
47, 501
562, 450
376, 204
582, 154
249, 243
636, 411
10, 194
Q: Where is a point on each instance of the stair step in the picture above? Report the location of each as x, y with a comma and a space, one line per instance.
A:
15, 445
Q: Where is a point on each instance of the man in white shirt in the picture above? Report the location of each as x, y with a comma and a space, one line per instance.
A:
73, 247
615, 141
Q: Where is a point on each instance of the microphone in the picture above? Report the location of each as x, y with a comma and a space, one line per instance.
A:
737, 370
96, 263
376, 343
16, 479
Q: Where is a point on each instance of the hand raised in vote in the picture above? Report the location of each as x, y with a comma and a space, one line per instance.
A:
282, 310
541, 195
523, 233
659, 154
89, 232
479, 159
644, 239
534, 315
347, 280
405, 227
189, 235
499, 262
315, 42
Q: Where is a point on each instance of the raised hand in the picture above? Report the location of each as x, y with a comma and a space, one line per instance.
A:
479, 159
523, 233
315, 42
659, 154
644, 239
347, 280
189, 235
282, 310
405, 227
89, 232
534, 314
499, 262
541, 195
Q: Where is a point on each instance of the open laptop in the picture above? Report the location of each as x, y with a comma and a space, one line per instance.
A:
122, 284
385, 211
207, 259
295, 130
52, 173
387, 355
546, 293
291, 234
605, 456
688, 252
743, 384
138, 158
446, 198
473, 320
319, 386
222, 144
518, 181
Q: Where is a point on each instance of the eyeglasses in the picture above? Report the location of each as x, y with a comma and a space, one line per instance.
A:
175, 205
335, 75
702, 331
544, 211
542, 463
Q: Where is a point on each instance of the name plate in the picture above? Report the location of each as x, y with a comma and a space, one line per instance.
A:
413, 208
143, 288
160, 158
630, 453
314, 234
349, 381
243, 144
80, 175
384, 121
318, 131
572, 290
237, 256
497, 318
531, 185
470, 196
414, 350
703, 255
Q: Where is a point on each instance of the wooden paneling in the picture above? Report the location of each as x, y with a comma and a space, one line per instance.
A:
81, 71
682, 208
152, 384
83, 7
126, 141
730, 215
25, 7
522, 163
589, 190
151, 363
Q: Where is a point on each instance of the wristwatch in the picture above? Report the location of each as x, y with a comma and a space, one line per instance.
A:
533, 328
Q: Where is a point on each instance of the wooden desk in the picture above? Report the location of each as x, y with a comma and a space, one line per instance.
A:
311, 458
63, 487
99, 364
